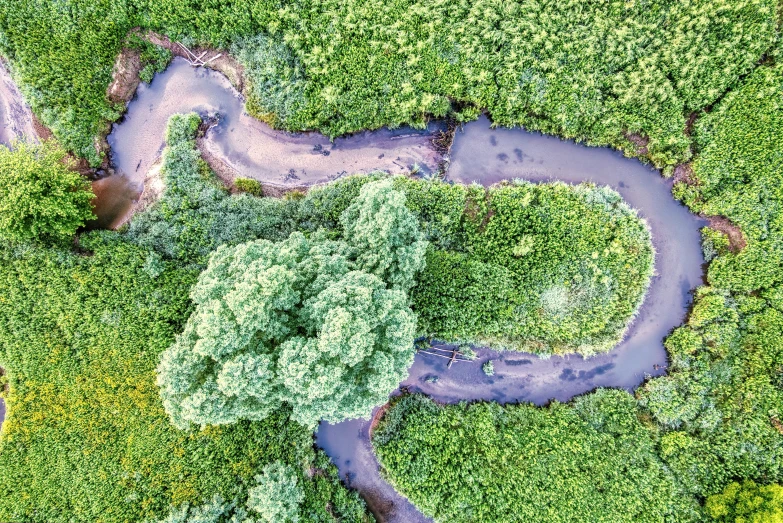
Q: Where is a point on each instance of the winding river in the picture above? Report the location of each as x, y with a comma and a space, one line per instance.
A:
247, 147
487, 155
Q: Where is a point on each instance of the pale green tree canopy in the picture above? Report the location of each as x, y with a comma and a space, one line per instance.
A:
314, 323
386, 234
277, 496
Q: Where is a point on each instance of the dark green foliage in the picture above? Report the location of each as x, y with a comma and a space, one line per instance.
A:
41, 198
64, 53
614, 72
547, 268
86, 438
469, 298
590, 462
153, 59
723, 399
739, 174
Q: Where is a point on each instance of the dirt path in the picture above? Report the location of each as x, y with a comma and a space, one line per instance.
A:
18, 122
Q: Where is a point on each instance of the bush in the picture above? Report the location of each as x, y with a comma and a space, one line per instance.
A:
277, 496
195, 213
747, 503
249, 186
488, 368
41, 198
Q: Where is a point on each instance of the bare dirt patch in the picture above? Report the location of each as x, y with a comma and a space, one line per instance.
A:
737, 240
124, 76
215, 59
377, 416
690, 122
639, 141
684, 173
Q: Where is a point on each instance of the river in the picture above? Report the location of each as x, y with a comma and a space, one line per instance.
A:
487, 155
247, 147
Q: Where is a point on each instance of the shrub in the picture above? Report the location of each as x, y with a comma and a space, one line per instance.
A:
488, 368
249, 186
41, 198
747, 503
277, 496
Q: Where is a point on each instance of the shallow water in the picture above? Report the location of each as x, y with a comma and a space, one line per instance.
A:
246, 146
488, 156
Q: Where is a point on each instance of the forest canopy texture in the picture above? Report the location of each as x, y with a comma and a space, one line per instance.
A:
715, 418
105, 343
288, 311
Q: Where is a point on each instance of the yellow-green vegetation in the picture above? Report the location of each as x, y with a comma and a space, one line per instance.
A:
722, 404
41, 198
747, 503
613, 72
593, 461
249, 185
86, 438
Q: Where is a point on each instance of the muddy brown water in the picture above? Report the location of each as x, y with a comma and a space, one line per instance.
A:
487, 156
246, 146
250, 148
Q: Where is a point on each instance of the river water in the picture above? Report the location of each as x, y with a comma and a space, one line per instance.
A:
479, 153
243, 145
486, 155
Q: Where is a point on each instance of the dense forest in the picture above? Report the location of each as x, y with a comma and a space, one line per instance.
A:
173, 370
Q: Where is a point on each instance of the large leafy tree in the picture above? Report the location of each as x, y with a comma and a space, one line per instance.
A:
41, 198
316, 323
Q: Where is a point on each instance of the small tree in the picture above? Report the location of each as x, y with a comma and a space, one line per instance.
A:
277, 496
386, 234
747, 503
41, 198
